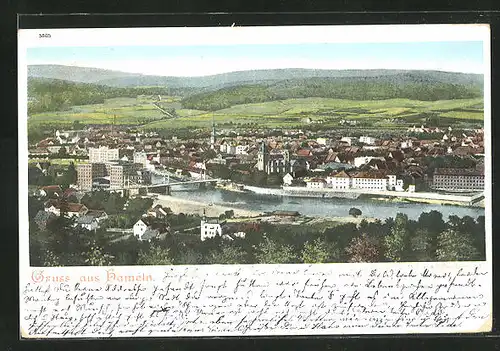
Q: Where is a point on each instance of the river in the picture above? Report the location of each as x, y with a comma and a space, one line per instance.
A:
318, 207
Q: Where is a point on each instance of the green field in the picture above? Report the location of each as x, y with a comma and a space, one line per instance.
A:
138, 110
282, 113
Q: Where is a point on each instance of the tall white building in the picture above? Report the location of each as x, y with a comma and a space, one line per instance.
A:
367, 181
210, 228
339, 181
141, 157
103, 154
367, 140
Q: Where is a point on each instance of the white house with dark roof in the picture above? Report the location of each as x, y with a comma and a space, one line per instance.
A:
148, 228
339, 181
87, 222
316, 183
72, 209
210, 228
287, 179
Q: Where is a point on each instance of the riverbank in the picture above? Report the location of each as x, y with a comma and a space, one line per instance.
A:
465, 200
424, 201
180, 205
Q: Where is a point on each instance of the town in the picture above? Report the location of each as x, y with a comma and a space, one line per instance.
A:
130, 171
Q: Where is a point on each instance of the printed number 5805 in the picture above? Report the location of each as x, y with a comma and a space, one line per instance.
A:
44, 35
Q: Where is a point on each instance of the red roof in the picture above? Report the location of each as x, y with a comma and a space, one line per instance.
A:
304, 152
71, 206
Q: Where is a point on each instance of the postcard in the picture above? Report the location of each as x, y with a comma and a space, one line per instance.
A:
255, 181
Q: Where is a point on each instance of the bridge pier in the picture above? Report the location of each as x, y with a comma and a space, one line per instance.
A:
168, 190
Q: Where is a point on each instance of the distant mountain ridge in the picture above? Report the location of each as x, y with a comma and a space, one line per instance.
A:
268, 76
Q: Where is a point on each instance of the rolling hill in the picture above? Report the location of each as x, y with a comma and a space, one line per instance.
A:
123, 79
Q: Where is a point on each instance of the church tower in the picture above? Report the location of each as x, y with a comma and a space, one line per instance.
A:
262, 157
286, 161
212, 137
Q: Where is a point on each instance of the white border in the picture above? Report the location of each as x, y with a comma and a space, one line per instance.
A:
245, 35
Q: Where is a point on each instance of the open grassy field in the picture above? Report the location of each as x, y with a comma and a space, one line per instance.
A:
293, 112
138, 110
283, 113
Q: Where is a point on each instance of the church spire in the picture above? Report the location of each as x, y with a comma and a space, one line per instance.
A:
212, 138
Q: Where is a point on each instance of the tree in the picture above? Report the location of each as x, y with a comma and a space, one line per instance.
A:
34, 205
259, 178
270, 252
363, 249
456, 246
155, 256
320, 251
421, 244
397, 242
62, 152
139, 205
96, 257
189, 256
355, 212
114, 204
432, 222
274, 180
227, 255
77, 125
342, 234
479, 236
69, 176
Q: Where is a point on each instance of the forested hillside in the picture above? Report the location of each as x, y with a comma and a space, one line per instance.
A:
407, 86
57, 95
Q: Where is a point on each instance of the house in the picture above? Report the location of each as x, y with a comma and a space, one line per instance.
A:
359, 161
287, 179
99, 215
321, 141
346, 140
158, 211
339, 181
241, 149
52, 191
304, 153
316, 183
73, 193
71, 208
367, 140
458, 179
369, 181
210, 228
397, 155
87, 222
394, 184
148, 228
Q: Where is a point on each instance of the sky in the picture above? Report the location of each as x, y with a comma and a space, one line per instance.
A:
453, 56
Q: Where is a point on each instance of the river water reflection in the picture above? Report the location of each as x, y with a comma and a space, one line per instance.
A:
317, 206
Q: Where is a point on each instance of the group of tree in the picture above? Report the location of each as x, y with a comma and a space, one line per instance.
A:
57, 95
55, 175
398, 239
245, 174
362, 88
447, 161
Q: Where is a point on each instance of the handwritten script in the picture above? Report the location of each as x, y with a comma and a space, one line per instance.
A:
253, 300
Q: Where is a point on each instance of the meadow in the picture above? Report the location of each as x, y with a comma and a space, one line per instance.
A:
274, 114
